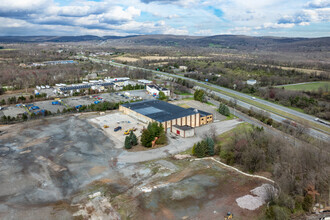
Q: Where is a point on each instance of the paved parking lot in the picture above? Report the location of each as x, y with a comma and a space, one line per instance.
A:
122, 96
12, 111
47, 105
114, 120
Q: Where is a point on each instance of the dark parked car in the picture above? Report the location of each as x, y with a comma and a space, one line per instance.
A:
117, 128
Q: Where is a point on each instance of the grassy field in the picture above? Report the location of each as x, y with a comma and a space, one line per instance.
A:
6, 49
312, 86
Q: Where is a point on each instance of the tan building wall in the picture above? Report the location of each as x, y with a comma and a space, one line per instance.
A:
206, 119
191, 120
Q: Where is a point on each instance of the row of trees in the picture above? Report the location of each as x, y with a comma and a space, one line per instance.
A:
204, 148
22, 99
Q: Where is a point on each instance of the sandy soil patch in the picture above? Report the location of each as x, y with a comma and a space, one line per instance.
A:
34, 142
97, 170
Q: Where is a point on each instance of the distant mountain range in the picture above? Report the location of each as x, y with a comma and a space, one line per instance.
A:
239, 42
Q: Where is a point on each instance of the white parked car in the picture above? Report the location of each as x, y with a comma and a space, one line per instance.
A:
254, 98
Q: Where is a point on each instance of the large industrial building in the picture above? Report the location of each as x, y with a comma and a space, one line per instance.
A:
166, 114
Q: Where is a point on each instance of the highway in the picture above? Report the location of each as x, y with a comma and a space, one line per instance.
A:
277, 112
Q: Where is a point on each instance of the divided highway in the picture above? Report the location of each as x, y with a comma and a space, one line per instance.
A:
277, 112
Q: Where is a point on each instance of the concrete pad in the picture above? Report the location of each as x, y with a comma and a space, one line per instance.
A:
114, 120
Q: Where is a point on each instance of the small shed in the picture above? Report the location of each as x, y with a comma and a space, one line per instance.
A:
183, 131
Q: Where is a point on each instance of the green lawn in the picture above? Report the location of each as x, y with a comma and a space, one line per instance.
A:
308, 86
7, 49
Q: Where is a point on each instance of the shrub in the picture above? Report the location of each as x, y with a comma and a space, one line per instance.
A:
199, 95
307, 203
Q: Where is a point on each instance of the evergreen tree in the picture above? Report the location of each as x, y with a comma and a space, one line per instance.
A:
210, 145
146, 138
127, 144
133, 139
199, 152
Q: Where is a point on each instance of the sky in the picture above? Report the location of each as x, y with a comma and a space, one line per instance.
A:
285, 18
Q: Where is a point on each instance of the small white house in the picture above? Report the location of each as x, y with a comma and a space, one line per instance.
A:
251, 82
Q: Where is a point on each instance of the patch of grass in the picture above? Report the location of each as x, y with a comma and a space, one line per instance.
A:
7, 49
189, 98
230, 117
224, 138
310, 86
182, 93
189, 151
209, 103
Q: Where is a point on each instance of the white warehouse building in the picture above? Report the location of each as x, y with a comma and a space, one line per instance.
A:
154, 90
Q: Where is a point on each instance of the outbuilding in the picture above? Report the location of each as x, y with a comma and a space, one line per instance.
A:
184, 131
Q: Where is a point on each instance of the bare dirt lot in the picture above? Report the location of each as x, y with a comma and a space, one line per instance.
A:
51, 167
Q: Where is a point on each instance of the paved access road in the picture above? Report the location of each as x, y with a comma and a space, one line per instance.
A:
176, 145
316, 133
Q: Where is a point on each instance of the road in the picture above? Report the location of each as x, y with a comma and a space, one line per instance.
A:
315, 132
176, 145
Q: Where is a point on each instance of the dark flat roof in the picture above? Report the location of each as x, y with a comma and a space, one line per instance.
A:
183, 128
159, 110
202, 113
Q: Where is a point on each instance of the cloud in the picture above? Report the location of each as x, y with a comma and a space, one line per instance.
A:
194, 17
309, 15
319, 4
